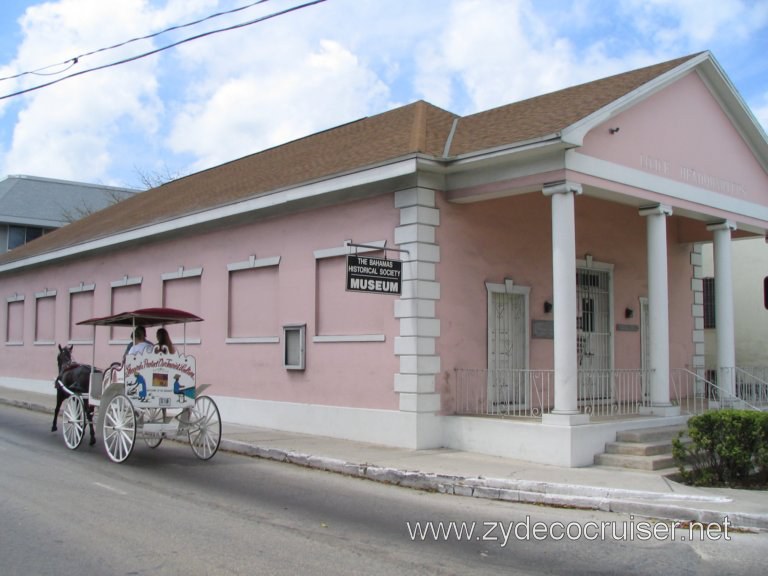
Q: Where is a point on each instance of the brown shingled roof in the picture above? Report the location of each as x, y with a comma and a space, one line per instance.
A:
550, 113
418, 128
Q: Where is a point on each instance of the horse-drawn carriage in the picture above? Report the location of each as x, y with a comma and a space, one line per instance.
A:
151, 395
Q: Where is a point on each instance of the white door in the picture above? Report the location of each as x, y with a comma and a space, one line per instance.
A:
594, 333
507, 348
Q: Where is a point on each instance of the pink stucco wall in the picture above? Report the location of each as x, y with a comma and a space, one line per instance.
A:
511, 238
681, 133
343, 374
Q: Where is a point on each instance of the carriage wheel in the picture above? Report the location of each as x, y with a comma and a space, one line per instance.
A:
153, 416
73, 422
119, 429
204, 428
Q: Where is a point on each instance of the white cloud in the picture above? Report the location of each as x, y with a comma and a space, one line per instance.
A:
498, 53
697, 22
264, 107
235, 93
72, 129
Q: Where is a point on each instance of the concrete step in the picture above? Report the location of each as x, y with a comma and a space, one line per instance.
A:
647, 435
639, 448
643, 449
653, 462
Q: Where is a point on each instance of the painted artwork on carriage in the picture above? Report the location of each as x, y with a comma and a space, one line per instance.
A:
160, 380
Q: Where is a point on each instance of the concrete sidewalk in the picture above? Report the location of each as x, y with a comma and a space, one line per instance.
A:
647, 494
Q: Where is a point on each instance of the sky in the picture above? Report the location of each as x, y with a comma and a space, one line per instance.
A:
294, 67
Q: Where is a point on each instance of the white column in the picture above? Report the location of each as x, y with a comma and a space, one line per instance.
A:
724, 313
566, 410
658, 310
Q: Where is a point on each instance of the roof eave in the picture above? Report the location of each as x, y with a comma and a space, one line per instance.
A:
397, 168
501, 154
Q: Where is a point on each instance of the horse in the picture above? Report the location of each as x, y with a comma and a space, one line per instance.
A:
72, 378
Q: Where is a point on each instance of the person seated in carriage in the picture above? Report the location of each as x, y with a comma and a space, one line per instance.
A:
140, 343
164, 342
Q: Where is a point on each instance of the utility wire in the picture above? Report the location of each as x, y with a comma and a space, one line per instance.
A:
172, 45
76, 59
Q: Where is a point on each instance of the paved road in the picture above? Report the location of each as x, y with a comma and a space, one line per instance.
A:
165, 512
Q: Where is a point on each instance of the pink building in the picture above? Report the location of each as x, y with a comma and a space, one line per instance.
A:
551, 278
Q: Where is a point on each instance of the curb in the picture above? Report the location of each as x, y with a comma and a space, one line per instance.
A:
648, 504
34, 406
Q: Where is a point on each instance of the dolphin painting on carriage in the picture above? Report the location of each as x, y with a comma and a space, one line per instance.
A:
151, 395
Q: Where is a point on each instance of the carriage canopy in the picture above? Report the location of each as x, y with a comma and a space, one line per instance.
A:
144, 317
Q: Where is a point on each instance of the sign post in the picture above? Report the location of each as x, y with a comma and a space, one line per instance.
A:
374, 275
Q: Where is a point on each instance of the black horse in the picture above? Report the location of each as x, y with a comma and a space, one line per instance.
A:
75, 378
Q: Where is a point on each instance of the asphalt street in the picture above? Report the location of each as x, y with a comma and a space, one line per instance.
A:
166, 512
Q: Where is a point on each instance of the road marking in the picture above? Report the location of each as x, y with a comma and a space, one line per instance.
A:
110, 488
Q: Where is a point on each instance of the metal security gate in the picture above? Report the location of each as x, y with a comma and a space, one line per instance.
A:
507, 351
645, 349
594, 335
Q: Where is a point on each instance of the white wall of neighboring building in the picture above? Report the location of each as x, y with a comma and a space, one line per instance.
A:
750, 268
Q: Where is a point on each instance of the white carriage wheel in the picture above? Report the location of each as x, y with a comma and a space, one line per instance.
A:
204, 428
153, 416
119, 429
73, 422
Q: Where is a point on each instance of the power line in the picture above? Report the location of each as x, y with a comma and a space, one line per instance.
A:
75, 60
163, 48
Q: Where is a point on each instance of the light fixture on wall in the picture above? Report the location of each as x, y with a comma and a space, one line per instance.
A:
614, 130
548, 306
629, 313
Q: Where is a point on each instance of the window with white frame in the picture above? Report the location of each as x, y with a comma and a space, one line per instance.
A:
81, 308
294, 346
14, 326
125, 296
253, 301
343, 316
45, 317
182, 290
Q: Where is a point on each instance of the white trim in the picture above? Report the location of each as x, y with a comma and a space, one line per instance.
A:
126, 281
80, 342
43, 343
182, 273
253, 262
14, 343
707, 199
82, 288
15, 298
45, 294
264, 201
349, 338
254, 340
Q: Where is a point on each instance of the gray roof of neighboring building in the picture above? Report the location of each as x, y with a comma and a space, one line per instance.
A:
50, 203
